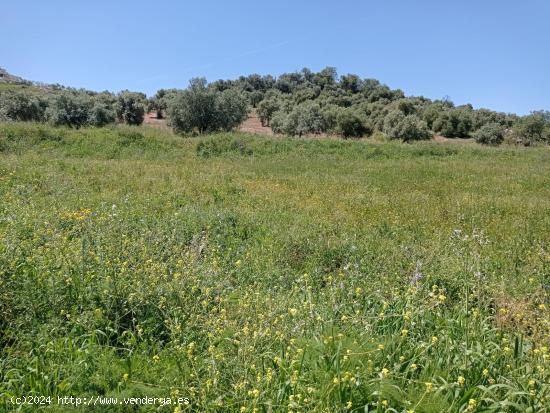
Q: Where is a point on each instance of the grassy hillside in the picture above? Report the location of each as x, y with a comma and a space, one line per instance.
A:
263, 274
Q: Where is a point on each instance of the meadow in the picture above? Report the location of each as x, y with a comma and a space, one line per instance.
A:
271, 274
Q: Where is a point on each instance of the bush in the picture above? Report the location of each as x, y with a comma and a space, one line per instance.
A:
532, 128
405, 127
101, 114
69, 109
206, 110
454, 123
304, 119
130, 107
231, 109
266, 108
349, 124
21, 106
490, 134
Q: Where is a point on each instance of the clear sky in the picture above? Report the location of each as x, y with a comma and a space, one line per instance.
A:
491, 53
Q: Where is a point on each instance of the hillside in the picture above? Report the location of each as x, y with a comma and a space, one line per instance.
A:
248, 273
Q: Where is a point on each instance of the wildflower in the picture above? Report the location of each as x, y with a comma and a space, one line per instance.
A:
238, 263
414, 366
125, 377
404, 332
429, 386
472, 403
177, 409
384, 372
460, 380
434, 340
531, 383
358, 290
380, 346
401, 359
485, 373
293, 311
349, 404
243, 409
156, 358
385, 403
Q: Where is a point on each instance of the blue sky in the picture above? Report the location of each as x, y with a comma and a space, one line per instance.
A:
491, 53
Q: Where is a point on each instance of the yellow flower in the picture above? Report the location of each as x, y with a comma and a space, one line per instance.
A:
385, 403
125, 377
293, 311
380, 346
156, 358
460, 380
472, 403
384, 372
429, 386
485, 373
238, 263
414, 366
349, 404
404, 332
177, 409
434, 340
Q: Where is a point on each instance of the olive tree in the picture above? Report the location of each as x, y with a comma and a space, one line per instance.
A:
21, 106
130, 107
406, 127
205, 109
68, 108
490, 134
266, 108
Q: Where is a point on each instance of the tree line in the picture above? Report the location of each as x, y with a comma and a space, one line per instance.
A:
296, 104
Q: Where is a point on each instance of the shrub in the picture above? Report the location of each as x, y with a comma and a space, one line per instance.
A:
21, 106
130, 107
305, 118
454, 123
349, 124
532, 128
206, 110
69, 109
231, 109
490, 134
405, 127
101, 114
266, 108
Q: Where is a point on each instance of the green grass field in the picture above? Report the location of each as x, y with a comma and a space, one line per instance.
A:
256, 274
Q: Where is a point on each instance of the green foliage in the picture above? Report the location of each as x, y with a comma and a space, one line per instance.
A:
101, 114
317, 275
205, 109
405, 127
130, 107
349, 124
69, 109
266, 108
454, 123
533, 128
304, 119
221, 145
490, 134
20, 105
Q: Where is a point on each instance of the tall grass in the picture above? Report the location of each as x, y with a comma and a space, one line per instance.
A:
257, 274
